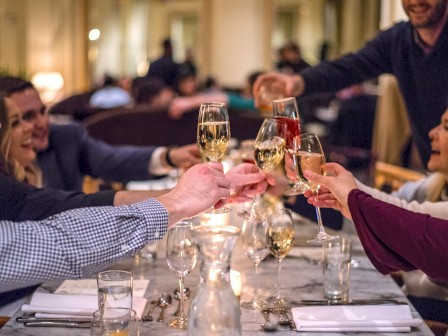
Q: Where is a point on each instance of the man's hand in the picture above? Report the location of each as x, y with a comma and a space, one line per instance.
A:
247, 181
336, 188
185, 156
294, 85
199, 188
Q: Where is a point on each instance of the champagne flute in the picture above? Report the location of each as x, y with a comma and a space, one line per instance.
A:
308, 155
269, 150
281, 237
213, 136
286, 109
181, 258
256, 247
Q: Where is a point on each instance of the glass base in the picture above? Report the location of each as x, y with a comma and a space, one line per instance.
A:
214, 211
296, 189
321, 237
253, 304
179, 323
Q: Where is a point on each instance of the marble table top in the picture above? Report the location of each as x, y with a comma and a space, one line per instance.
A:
300, 280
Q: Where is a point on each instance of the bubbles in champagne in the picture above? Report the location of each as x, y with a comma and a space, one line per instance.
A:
269, 153
213, 139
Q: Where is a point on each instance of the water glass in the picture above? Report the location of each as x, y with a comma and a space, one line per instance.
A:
114, 322
336, 268
114, 289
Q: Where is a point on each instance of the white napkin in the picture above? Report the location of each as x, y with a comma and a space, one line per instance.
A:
369, 318
47, 305
89, 287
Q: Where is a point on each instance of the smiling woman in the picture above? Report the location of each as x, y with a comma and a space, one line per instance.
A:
15, 143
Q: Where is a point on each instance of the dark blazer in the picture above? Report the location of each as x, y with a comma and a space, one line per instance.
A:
20, 202
72, 153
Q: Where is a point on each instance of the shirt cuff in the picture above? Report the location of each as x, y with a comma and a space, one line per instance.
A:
156, 217
156, 166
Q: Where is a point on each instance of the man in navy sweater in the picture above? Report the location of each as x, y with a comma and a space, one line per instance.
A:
416, 52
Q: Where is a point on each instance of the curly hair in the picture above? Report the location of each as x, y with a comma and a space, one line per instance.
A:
8, 164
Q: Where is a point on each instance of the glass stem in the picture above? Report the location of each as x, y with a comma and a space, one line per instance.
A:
318, 215
279, 269
255, 281
181, 301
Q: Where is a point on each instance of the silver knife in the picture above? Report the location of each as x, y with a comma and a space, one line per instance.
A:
26, 319
58, 324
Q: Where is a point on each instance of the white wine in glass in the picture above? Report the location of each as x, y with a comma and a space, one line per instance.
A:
308, 154
281, 238
213, 136
269, 150
181, 255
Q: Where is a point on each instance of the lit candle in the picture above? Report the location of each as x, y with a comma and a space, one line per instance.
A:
235, 282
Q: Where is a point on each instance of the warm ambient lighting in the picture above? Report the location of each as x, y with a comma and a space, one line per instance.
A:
235, 282
94, 34
49, 84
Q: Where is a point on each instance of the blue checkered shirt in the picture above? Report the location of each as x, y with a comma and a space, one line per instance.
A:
76, 243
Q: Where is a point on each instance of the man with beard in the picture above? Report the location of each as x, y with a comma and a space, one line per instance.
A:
415, 51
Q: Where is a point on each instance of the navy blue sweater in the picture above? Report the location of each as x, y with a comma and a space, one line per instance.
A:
423, 79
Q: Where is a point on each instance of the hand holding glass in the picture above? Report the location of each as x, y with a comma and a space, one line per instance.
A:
181, 258
213, 135
269, 150
307, 154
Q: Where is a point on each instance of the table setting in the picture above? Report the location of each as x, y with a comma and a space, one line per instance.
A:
249, 269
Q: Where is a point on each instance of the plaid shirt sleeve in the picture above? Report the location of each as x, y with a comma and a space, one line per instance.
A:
76, 243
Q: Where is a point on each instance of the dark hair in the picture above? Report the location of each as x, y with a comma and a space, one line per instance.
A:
10, 85
145, 90
4, 130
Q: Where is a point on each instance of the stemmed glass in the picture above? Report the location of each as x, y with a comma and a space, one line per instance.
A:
286, 110
181, 258
308, 155
281, 237
256, 247
269, 149
213, 136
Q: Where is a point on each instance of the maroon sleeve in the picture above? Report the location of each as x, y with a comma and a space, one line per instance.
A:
399, 239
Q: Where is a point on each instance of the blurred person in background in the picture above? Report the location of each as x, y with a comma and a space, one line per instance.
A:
66, 153
164, 67
290, 59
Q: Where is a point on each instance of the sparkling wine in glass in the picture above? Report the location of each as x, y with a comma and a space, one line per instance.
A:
213, 136
307, 154
256, 247
286, 110
269, 150
181, 257
281, 238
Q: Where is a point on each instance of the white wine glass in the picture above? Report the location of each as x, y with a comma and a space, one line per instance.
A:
213, 136
181, 255
269, 150
286, 110
256, 247
308, 155
281, 238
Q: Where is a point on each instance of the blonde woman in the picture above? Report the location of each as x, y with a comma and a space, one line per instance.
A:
15, 144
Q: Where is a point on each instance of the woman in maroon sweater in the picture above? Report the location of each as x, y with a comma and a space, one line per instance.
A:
393, 238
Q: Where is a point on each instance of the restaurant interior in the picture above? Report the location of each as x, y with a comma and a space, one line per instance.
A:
70, 49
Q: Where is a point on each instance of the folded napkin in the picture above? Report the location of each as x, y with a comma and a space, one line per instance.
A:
89, 287
47, 305
371, 318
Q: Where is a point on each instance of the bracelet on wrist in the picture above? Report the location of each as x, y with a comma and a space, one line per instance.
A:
168, 159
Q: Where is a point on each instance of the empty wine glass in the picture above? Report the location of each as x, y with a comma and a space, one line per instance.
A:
269, 150
181, 258
308, 155
213, 136
286, 109
281, 238
256, 247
